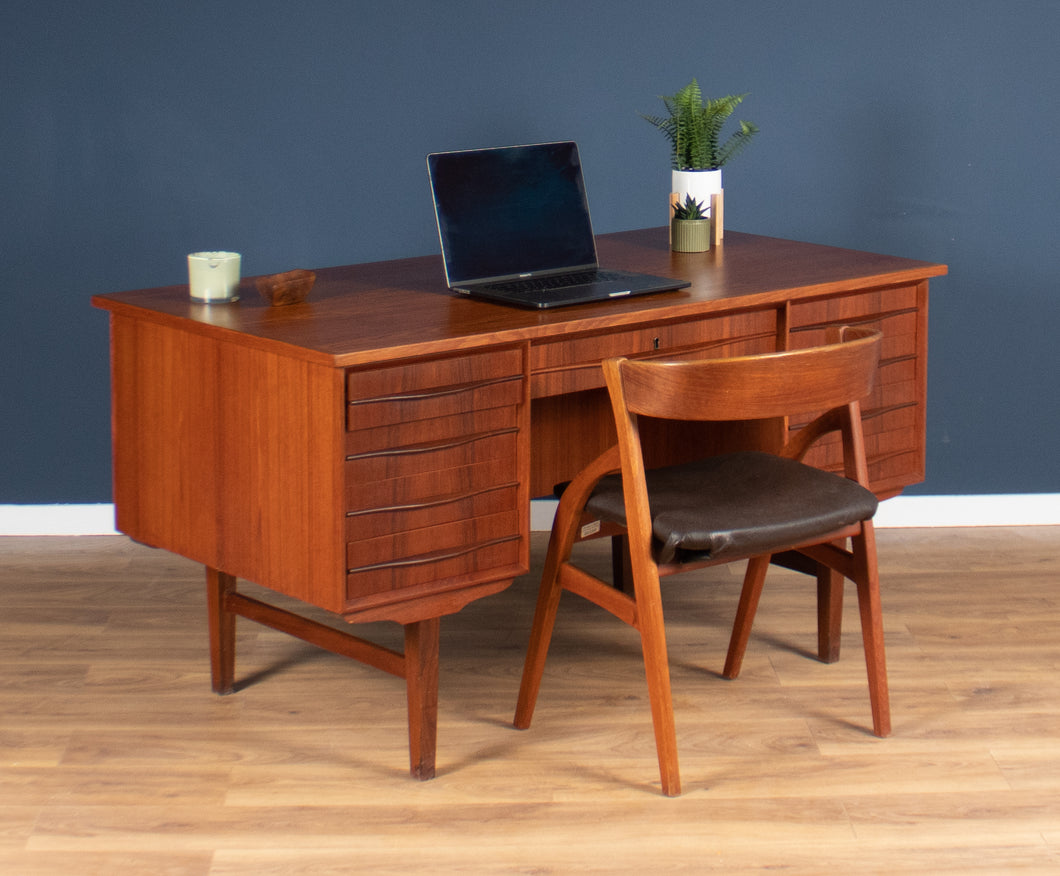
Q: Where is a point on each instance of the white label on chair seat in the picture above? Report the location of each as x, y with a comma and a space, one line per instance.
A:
590, 529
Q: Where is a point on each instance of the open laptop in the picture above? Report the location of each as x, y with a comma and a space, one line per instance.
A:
514, 226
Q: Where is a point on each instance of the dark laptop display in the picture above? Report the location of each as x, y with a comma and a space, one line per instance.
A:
514, 227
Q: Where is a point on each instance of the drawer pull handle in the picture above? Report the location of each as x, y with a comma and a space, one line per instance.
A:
866, 319
437, 393
430, 448
872, 413
432, 558
435, 503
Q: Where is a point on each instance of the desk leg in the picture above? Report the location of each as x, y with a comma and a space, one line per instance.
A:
421, 679
222, 630
419, 664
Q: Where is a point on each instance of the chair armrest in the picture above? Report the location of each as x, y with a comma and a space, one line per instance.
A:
578, 490
800, 443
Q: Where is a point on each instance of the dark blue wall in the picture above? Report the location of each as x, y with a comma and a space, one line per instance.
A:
132, 133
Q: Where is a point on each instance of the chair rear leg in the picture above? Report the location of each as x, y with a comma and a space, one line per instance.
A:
753, 580
829, 613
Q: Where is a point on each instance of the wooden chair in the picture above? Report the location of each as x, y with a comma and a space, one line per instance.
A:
750, 505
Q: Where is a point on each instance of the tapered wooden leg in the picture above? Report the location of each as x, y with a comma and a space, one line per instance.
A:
222, 625
565, 531
421, 680
829, 613
657, 671
871, 611
541, 630
753, 580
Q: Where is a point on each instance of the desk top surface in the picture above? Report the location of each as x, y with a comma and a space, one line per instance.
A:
377, 311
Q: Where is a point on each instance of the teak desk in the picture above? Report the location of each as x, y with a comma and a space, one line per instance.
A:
374, 450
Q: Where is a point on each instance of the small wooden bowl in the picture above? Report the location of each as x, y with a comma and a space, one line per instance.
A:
291, 287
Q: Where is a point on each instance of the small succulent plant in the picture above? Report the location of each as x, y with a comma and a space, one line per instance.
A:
690, 209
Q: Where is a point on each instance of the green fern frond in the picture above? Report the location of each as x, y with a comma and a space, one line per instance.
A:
737, 142
693, 127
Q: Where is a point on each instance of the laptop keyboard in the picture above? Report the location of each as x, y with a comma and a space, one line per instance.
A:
556, 281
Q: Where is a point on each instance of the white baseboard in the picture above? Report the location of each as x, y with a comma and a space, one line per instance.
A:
57, 520
1027, 509
1012, 509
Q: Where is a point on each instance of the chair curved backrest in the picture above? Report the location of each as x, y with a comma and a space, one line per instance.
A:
750, 387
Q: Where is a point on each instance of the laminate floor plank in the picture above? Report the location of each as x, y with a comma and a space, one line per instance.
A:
115, 757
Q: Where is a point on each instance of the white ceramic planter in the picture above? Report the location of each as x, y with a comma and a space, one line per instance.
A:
700, 184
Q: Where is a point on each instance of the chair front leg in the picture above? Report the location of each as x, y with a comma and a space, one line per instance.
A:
559, 548
560, 543
870, 609
657, 672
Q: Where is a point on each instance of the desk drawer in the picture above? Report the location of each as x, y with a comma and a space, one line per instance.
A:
856, 308
411, 459
399, 549
431, 403
373, 523
573, 364
434, 572
404, 439
430, 487
434, 455
425, 374
892, 416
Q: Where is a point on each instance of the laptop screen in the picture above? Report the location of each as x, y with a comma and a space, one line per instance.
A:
512, 211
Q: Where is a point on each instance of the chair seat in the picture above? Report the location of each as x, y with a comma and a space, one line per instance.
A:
738, 505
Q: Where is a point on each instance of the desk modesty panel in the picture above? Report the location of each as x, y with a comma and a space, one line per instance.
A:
373, 451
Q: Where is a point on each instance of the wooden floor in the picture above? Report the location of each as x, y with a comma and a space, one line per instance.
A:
116, 758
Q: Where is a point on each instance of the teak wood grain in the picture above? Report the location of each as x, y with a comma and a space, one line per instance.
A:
373, 450
116, 760
369, 313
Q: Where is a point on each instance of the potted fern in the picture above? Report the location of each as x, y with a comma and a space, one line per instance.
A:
693, 126
689, 227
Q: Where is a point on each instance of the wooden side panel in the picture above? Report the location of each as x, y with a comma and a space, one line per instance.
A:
165, 400
230, 456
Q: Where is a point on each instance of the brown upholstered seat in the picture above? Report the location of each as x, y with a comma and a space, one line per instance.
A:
737, 505
759, 505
